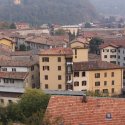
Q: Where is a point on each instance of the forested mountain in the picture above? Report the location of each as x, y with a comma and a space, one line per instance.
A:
110, 7
47, 11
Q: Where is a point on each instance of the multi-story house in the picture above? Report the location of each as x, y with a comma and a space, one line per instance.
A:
97, 76
12, 85
113, 53
80, 50
7, 42
30, 67
56, 69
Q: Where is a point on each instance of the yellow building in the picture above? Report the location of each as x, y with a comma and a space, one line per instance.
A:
8, 43
56, 69
80, 50
97, 76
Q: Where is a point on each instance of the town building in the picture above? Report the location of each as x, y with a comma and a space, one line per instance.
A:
56, 69
98, 77
80, 50
7, 42
81, 110
22, 25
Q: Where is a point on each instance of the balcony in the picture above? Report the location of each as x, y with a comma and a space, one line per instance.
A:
69, 81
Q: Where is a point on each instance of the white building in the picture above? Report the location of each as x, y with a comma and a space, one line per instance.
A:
113, 53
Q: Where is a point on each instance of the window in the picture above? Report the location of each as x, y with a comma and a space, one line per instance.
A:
1, 101
6, 80
97, 83
112, 74
13, 69
46, 77
46, 86
118, 57
97, 75
105, 83
45, 59
105, 91
32, 68
75, 51
113, 90
59, 77
4, 69
113, 82
97, 91
105, 56
103, 50
76, 74
84, 83
59, 68
11, 80
105, 74
112, 56
59, 59
114, 62
83, 74
76, 83
45, 68
10, 101
124, 58
108, 116
59, 86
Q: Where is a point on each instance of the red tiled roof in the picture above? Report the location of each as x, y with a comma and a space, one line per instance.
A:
57, 51
94, 65
17, 63
13, 75
70, 110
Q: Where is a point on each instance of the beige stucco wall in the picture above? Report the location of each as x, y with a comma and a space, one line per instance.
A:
80, 79
82, 52
53, 73
8, 43
6, 100
118, 78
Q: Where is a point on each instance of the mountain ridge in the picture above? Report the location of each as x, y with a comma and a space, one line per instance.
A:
48, 11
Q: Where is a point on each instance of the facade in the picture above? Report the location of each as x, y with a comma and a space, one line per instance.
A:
113, 53
80, 51
8, 43
22, 26
77, 110
12, 84
56, 69
98, 77
31, 67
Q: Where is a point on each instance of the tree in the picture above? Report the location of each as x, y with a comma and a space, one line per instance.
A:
22, 47
71, 36
12, 26
94, 45
30, 109
87, 25
60, 32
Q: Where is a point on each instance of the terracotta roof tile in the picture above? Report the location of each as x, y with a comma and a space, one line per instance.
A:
96, 111
57, 51
13, 75
94, 65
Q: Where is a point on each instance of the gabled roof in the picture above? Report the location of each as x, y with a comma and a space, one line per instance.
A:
72, 110
17, 63
94, 65
14, 75
57, 51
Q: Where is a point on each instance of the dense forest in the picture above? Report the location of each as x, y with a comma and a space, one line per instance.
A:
47, 11
110, 7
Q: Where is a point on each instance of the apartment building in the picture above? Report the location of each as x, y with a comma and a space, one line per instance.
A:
97, 76
113, 53
80, 50
30, 67
12, 85
56, 69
